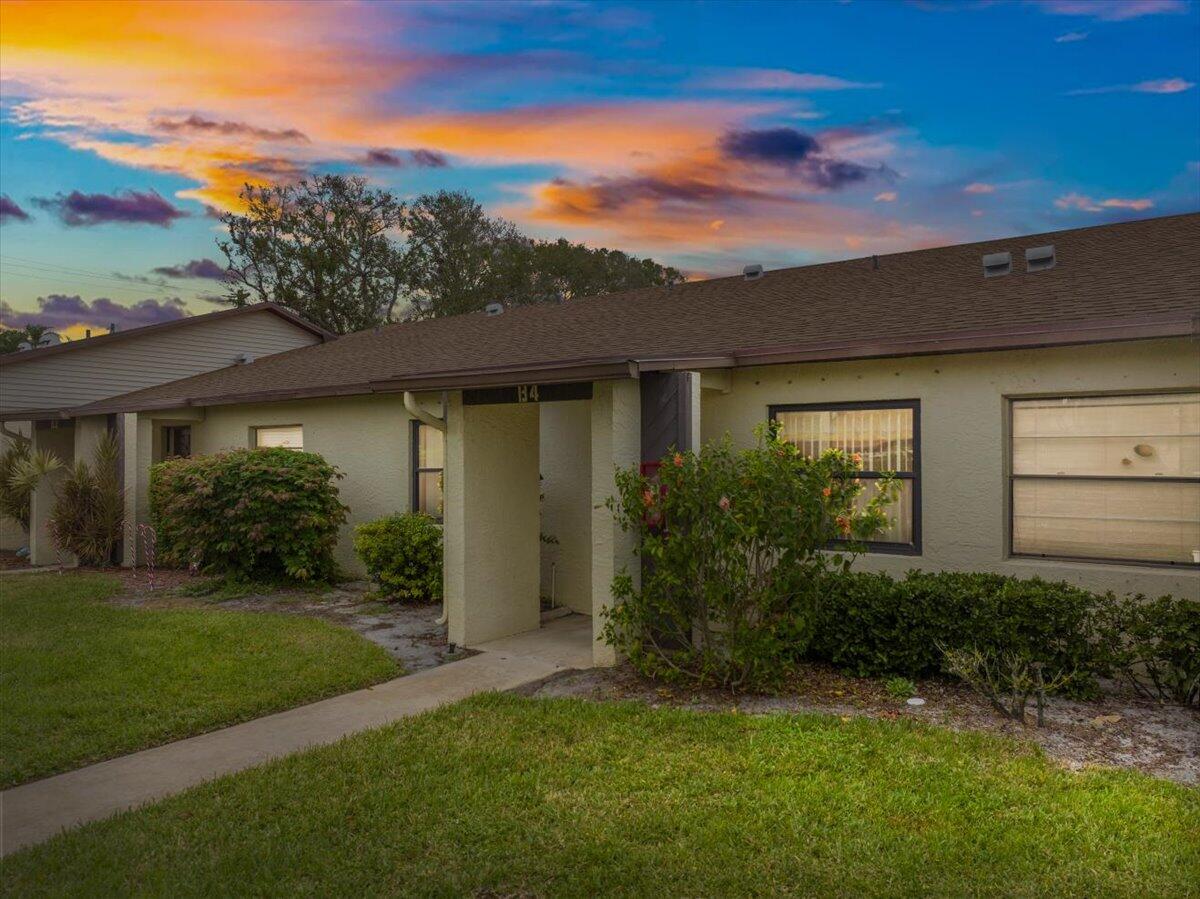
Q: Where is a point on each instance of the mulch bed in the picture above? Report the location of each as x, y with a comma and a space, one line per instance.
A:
1118, 730
10, 561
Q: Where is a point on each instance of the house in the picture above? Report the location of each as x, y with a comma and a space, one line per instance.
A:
38, 387
1038, 396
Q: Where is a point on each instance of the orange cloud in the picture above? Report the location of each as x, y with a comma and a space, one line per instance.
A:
1087, 204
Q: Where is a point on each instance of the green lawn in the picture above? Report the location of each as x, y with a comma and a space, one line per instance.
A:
81, 680
500, 796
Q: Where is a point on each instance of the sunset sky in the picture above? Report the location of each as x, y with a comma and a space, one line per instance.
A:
708, 135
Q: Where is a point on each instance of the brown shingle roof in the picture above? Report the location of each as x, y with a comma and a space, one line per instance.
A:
1111, 282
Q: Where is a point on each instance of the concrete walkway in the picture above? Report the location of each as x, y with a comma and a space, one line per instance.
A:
37, 811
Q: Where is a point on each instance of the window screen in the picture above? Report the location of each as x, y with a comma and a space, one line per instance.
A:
885, 434
289, 436
1109, 477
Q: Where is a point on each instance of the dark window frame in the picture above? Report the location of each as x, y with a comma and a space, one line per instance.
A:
414, 454
169, 441
1011, 402
915, 548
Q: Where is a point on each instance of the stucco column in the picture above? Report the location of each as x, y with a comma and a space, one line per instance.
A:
138, 445
491, 520
60, 442
616, 443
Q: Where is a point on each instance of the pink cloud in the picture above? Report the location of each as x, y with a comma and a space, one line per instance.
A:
778, 80
1087, 204
1152, 86
888, 196
1112, 10
979, 187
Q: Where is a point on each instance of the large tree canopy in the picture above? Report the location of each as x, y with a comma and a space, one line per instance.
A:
322, 248
349, 257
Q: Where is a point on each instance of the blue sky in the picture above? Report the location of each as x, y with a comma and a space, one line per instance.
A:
707, 135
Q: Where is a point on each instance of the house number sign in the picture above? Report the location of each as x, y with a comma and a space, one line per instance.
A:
528, 393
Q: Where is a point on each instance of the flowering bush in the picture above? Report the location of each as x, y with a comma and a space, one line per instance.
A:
733, 548
403, 554
249, 513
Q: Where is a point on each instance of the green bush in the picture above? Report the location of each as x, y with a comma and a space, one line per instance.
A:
249, 513
1155, 646
874, 625
403, 555
732, 549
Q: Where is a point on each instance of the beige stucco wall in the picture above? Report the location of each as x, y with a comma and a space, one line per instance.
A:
616, 408
366, 437
491, 520
566, 468
964, 439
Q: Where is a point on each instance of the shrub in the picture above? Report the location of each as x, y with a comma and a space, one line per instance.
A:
732, 553
1155, 646
250, 513
88, 513
403, 555
874, 625
900, 687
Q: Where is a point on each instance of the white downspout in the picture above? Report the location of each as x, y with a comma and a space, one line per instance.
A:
415, 410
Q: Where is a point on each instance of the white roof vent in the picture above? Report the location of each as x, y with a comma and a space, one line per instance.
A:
494, 308
1038, 259
996, 264
752, 272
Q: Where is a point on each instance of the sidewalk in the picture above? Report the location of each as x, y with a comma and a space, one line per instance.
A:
37, 811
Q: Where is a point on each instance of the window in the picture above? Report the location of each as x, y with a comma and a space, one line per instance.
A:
177, 441
1114, 478
887, 435
288, 436
427, 454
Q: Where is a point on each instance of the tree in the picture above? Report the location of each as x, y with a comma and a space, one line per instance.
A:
12, 338
460, 259
321, 248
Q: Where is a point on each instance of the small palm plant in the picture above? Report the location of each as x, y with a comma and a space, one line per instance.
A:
89, 507
21, 467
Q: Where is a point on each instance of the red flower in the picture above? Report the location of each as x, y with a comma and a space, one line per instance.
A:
827, 491
647, 498
724, 503
678, 460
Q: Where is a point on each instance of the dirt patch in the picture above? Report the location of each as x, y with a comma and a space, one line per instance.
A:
10, 561
1119, 730
409, 633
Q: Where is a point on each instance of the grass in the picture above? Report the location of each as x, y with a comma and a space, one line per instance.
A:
82, 680
504, 796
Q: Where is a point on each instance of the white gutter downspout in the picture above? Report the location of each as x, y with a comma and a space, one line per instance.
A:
411, 405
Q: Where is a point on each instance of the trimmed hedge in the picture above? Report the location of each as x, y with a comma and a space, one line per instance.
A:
874, 625
403, 554
249, 513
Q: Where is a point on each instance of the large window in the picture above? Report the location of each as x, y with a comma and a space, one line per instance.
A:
1107, 477
427, 455
887, 436
289, 436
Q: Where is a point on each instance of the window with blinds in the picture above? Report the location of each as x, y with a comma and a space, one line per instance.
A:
288, 436
428, 449
887, 436
1114, 478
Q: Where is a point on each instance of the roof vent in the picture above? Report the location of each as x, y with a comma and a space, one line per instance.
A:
494, 308
996, 264
242, 359
752, 272
1038, 259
